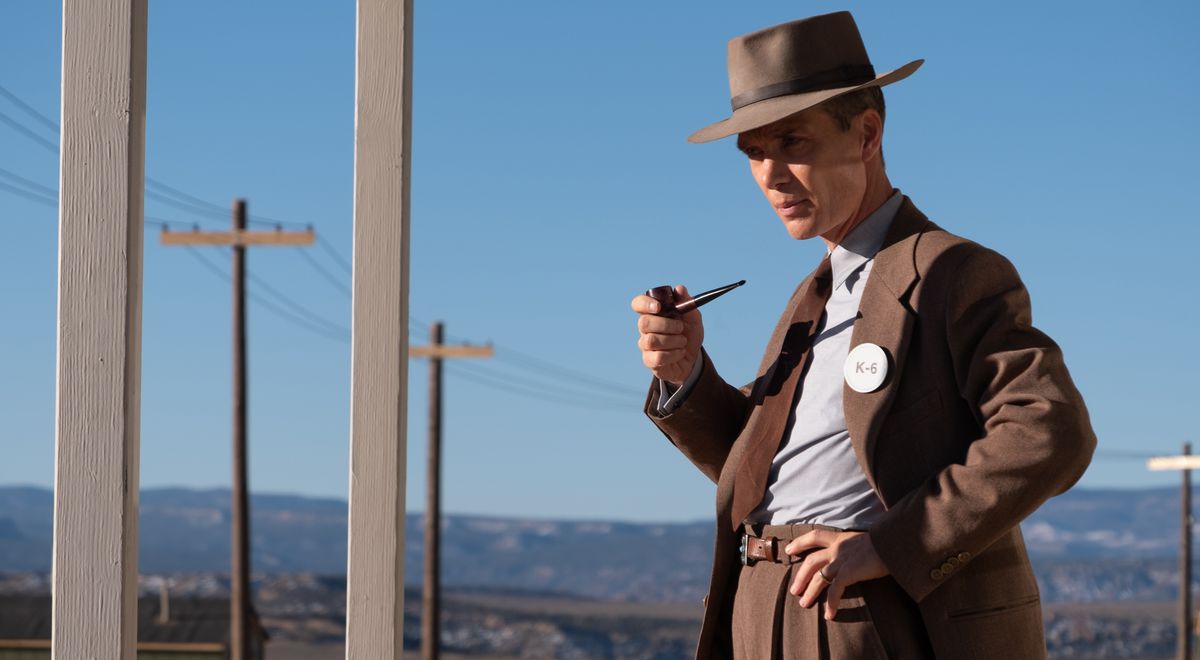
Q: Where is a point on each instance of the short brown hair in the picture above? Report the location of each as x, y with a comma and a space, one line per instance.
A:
843, 109
846, 107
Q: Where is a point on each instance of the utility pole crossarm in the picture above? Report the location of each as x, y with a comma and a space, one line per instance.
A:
1184, 462
238, 237
445, 351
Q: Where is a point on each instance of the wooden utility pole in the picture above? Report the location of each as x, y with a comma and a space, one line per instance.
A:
431, 590
239, 580
1185, 462
1185, 562
239, 566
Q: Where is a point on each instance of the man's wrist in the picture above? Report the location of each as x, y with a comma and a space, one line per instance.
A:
672, 395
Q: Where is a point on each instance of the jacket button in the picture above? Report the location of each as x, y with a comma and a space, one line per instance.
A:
947, 569
953, 561
936, 574
964, 556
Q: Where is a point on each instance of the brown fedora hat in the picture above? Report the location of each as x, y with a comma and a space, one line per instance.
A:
791, 67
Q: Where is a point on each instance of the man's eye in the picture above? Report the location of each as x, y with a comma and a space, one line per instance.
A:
791, 141
753, 153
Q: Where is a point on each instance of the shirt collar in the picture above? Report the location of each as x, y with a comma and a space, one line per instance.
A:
861, 245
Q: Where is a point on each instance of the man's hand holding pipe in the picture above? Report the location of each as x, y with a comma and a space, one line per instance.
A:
670, 346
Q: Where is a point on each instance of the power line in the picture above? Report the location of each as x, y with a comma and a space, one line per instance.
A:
200, 204
551, 390
45, 190
20, 128
330, 277
279, 311
337, 256
50, 123
183, 206
531, 363
167, 194
264, 221
623, 399
154, 189
505, 382
316, 324
567, 375
32, 196
163, 192
299, 309
172, 195
504, 385
34, 191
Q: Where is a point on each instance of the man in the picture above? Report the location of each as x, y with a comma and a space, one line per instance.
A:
906, 415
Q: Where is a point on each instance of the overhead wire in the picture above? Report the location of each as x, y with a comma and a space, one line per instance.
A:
485, 368
531, 363
184, 206
166, 190
33, 185
160, 190
298, 314
504, 384
329, 277
36, 192
20, 128
471, 372
155, 189
32, 196
341, 261
299, 309
320, 329
30, 110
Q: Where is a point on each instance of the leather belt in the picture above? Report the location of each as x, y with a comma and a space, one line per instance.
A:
754, 550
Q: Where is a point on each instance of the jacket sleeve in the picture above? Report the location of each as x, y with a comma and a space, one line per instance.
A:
1036, 437
708, 421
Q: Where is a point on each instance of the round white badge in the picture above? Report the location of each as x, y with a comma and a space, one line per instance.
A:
866, 368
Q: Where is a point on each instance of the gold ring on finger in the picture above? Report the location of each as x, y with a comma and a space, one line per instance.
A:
821, 572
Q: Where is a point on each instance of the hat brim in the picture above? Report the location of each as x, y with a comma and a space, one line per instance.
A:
766, 111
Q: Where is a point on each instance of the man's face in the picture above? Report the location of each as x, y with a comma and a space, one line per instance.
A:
811, 171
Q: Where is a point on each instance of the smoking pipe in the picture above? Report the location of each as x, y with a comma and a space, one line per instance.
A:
665, 295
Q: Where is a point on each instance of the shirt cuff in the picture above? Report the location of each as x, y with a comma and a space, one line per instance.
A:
669, 398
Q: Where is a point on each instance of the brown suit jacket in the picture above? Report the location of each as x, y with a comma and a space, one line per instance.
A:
977, 424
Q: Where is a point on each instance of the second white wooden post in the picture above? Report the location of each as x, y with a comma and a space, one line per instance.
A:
99, 329
378, 414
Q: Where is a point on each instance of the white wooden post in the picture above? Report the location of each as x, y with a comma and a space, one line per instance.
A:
99, 329
378, 410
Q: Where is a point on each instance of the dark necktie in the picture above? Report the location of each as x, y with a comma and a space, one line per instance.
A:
750, 481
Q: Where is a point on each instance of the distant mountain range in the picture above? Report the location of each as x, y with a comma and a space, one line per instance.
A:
188, 531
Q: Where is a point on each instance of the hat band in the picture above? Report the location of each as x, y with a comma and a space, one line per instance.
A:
844, 76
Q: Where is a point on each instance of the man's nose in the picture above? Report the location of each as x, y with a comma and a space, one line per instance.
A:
774, 173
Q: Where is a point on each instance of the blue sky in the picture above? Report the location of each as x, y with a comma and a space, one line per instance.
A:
552, 181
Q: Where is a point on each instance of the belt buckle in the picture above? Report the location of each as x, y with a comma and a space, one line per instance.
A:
747, 560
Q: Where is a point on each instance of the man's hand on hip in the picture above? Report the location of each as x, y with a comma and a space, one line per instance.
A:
670, 347
835, 561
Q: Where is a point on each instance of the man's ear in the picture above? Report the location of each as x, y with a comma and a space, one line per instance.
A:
871, 128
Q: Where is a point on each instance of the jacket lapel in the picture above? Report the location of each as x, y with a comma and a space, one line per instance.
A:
884, 319
770, 410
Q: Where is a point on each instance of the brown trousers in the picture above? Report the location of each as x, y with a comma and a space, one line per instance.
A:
876, 619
